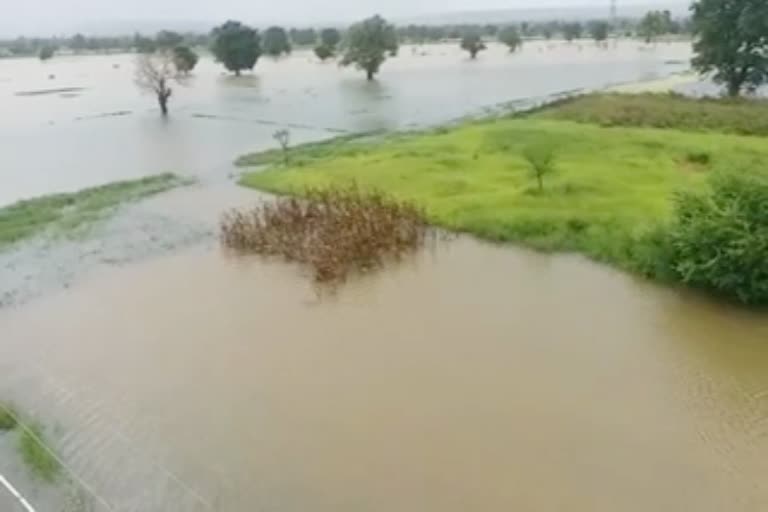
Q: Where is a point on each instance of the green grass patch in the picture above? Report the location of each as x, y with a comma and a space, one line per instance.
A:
608, 185
7, 418
68, 213
737, 116
40, 461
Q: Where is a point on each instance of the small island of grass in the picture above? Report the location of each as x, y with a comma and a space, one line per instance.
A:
610, 188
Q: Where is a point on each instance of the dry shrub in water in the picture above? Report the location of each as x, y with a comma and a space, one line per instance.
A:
333, 230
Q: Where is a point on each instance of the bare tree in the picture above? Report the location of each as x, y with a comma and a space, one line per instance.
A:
283, 137
154, 74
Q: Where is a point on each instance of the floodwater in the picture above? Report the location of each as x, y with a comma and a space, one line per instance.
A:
474, 377
93, 126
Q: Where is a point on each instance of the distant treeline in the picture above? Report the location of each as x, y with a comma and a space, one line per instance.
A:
655, 23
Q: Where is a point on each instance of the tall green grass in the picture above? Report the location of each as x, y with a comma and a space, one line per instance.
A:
738, 116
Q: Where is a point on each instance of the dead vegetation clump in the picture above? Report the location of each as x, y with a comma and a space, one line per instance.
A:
333, 230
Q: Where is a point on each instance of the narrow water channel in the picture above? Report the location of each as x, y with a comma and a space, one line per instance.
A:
475, 377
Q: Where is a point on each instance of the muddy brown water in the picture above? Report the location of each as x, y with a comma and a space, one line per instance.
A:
474, 377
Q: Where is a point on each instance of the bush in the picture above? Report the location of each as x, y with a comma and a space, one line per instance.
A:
718, 240
698, 157
334, 231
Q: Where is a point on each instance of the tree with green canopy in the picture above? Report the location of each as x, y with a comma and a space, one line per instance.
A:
731, 42
46, 52
323, 52
599, 30
473, 43
185, 59
511, 37
330, 37
275, 42
572, 31
653, 24
368, 43
236, 45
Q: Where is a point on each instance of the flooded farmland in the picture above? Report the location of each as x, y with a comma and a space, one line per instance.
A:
474, 377
86, 123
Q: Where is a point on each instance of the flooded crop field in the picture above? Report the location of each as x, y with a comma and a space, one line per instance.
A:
74, 122
171, 375
472, 377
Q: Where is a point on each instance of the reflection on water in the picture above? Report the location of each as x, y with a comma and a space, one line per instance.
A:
51, 143
473, 378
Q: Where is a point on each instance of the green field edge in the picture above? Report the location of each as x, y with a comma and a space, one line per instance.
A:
617, 240
70, 214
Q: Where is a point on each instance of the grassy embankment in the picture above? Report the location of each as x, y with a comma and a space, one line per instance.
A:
609, 183
61, 214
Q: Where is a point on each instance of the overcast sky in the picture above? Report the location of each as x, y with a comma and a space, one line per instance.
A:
64, 16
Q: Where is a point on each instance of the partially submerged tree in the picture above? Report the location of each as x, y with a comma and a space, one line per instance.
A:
473, 43
653, 24
511, 37
368, 43
154, 74
330, 37
572, 31
237, 46
731, 41
46, 52
275, 42
599, 30
329, 40
323, 52
185, 59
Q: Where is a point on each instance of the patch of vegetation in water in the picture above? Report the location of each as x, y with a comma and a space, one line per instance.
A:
726, 115
66, 213
7, 418
38, 458
608, 192
334, 230
31, 444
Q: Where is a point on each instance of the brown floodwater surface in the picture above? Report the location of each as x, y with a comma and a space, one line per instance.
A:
473, 378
